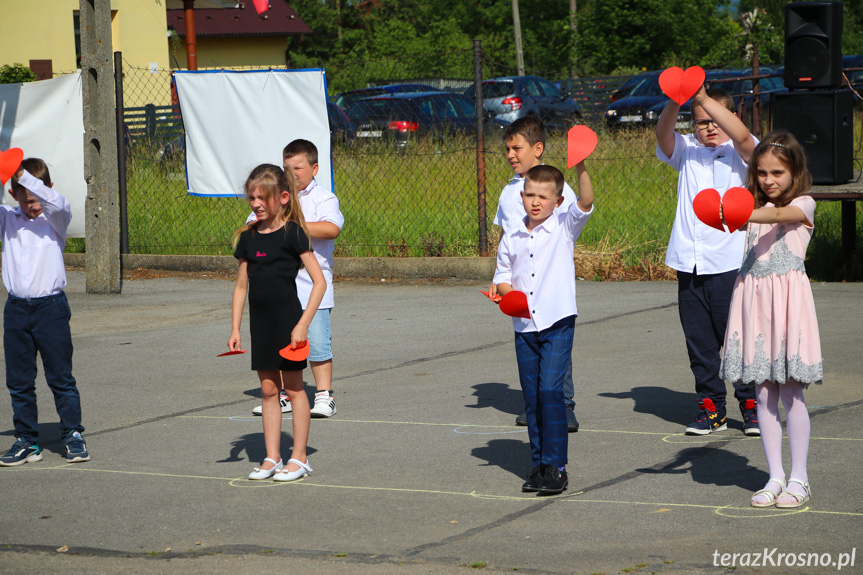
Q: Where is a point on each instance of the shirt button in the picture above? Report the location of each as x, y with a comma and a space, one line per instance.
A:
531, 255
531, 293
531, 275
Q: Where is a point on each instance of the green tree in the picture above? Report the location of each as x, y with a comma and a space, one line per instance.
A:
16, 74
652, 34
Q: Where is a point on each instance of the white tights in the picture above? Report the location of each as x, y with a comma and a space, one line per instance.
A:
797, 423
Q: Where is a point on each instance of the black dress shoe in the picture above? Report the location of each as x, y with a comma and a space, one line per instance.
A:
553, 481
521, 420
571, 421
533, 478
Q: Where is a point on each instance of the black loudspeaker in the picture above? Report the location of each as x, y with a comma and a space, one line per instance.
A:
823, 123
813, 44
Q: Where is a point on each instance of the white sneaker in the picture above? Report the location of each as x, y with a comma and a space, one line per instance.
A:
325, 405
284, 401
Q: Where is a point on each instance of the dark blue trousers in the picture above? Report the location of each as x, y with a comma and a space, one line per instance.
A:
703, 302
40, 324
542, 367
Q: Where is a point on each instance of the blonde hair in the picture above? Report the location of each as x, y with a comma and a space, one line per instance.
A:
785, 147
271, 181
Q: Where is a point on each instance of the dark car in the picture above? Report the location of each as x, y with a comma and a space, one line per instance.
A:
855, 78
341, 127
345, 100
737, 89
634, 104
513, 97
631, 102
400, 117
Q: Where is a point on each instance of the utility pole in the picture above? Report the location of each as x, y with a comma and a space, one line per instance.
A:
519, 55
573, 26
101, 208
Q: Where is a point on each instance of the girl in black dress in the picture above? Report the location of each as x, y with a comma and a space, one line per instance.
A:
271, 251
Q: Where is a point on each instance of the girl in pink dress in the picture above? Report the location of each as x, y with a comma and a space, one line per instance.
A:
772, 336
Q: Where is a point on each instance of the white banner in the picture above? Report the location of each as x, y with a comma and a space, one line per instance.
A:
46, 120
237, 120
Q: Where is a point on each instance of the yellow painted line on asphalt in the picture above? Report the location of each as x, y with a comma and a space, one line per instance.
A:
667, 437
723, 510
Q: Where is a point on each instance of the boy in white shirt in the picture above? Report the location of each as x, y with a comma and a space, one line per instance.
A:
325, 221
707, 259
537, 259
525, 144
36, 314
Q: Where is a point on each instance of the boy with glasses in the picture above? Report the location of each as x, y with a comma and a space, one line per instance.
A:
706, 259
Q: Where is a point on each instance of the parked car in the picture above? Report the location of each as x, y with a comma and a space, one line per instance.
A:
738, 89
633, 105
341, 127
398, 118
854, 78
630, 104
345, 100
514, 97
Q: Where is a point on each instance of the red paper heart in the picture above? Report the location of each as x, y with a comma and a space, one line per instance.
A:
495, 299
10, 161
737, 206
232, 352
706, 206
581, 142
514, 304
261, 6
296, 353
680, 85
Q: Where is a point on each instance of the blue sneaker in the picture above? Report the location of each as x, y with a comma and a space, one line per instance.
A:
711, 418
76, 448
21, 451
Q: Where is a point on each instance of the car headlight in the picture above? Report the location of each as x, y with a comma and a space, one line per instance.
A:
651, 115
611, 113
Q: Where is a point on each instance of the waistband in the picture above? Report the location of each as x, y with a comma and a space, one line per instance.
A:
38, 299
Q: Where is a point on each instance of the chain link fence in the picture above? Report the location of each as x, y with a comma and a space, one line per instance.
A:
406, 165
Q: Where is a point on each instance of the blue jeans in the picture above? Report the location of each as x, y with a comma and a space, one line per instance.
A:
40, 324
703, 302
542, 366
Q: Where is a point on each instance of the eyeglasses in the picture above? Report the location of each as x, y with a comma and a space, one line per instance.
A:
703, 124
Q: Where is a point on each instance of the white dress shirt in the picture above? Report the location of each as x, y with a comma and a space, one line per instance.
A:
318, 205
540, 264
693, 244
510, 209
33, 249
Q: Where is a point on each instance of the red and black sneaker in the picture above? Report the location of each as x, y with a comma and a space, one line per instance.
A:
750, 417
710, 419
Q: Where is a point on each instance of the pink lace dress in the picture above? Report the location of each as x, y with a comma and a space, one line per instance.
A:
772, 332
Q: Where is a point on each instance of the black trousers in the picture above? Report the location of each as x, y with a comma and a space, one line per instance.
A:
703, 302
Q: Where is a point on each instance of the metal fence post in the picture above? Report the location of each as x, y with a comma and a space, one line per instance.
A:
480, 149
121, 154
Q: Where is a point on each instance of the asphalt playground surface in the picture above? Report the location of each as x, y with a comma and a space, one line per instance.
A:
420, 470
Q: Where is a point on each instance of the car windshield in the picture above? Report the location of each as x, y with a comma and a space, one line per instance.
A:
379, 108
348, 98
648, 86
493, 90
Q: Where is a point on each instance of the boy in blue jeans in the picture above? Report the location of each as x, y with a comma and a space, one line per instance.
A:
36, 315
537, 259
525, 143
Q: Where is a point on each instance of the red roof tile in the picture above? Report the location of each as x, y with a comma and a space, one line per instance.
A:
279, 20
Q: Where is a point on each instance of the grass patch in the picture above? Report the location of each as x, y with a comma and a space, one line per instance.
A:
478, 564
